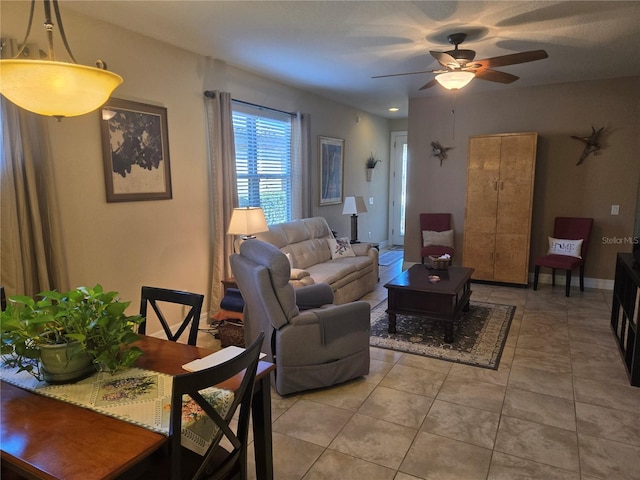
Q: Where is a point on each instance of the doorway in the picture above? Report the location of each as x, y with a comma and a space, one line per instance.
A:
397, 187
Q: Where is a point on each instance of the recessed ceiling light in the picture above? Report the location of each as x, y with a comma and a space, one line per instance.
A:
394, 109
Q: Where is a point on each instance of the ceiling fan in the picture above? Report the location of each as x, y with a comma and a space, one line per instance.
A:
459, 66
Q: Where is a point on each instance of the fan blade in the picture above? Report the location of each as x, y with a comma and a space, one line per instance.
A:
512, 59
428, 84
445, 59
400, 74
495, 76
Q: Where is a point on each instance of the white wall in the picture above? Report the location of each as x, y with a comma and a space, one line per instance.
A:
166, 243
363, 136
561, 188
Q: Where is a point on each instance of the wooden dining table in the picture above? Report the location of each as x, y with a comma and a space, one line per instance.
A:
46, 438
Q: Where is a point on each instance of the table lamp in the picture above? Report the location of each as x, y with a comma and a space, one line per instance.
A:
353, 206
246, 221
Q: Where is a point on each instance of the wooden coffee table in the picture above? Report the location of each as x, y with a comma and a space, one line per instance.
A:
412, 293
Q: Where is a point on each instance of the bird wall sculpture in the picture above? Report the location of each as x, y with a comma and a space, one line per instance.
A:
591, 143
439, 151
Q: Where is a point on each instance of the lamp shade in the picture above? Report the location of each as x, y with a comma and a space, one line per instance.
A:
454, 80
247, 221
354, 206
57, 89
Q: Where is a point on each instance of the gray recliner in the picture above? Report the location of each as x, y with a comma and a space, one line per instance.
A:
314, 344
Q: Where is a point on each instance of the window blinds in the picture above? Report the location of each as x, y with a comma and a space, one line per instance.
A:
263, 160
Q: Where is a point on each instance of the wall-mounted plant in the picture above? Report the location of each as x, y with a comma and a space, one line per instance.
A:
372, 162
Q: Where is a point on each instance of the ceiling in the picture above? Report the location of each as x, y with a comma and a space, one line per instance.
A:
333, 48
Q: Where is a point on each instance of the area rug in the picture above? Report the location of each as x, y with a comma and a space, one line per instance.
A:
479, 334
387, 258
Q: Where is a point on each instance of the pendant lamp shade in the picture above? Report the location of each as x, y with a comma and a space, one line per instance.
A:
53, 88
454, 80
56, 89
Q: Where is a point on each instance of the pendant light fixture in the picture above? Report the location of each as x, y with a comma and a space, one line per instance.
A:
454, 80
53, 88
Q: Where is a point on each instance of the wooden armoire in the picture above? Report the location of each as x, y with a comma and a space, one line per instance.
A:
497, 225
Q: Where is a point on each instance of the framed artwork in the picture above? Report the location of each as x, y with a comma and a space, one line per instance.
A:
135, 149
331, 152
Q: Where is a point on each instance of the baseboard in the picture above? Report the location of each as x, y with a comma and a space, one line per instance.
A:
545, 278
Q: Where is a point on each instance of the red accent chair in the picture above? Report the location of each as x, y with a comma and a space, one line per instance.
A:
437, 222
569, 228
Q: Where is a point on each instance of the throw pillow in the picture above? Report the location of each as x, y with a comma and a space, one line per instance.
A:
442, 239
561, 246
340, 247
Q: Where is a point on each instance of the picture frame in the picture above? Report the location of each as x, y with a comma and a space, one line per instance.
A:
331, 160
135, 150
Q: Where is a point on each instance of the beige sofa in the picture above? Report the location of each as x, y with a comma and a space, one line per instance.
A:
306, 244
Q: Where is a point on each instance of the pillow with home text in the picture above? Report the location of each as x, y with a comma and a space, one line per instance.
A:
340, 247
561, 246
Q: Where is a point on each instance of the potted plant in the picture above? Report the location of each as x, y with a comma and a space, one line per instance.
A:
82, 329
371, 164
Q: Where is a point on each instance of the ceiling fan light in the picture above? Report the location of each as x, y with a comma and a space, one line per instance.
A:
454, 80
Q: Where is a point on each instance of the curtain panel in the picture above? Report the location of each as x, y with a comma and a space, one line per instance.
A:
31, 247
301, 159
223, 188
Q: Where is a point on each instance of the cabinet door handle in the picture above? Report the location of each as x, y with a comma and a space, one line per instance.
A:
495, 185
501, 185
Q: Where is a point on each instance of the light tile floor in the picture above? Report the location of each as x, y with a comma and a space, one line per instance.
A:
558, 407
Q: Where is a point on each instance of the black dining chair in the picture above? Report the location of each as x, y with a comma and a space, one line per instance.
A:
218, 462
157, 296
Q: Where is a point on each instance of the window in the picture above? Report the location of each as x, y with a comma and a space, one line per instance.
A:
263, 160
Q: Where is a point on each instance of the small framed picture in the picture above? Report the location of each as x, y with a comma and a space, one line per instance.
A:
331, 152
135, 147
